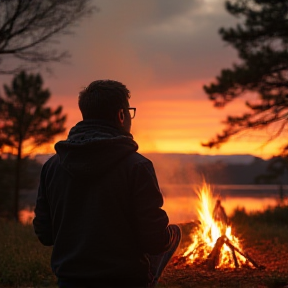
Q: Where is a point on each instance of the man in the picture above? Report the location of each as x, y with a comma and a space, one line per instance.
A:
99, 203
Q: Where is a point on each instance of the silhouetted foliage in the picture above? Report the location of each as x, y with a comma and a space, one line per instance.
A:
26, 27
261, 39
271, 215
24, 116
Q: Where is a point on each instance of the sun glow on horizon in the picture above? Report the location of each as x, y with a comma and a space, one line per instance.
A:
175, 126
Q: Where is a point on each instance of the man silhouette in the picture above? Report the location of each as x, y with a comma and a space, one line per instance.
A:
99, 203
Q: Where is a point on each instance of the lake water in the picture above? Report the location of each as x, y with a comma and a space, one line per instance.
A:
182, 207
180, 201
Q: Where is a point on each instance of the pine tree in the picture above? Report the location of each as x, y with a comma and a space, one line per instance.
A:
24, 116
261, 39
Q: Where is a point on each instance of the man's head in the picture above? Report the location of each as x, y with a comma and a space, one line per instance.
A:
106, 100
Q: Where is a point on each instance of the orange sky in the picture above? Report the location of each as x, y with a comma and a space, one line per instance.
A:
164, 51
181, 126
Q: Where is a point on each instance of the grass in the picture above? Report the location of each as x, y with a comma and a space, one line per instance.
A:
269, 224
24, 262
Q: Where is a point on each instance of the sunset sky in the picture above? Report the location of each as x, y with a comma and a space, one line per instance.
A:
164, 51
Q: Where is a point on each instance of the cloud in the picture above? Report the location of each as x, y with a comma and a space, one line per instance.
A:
184, 47
149, 44
146, 44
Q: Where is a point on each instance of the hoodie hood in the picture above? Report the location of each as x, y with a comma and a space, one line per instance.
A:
93, 148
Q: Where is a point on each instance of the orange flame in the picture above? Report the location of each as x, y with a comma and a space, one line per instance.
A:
209, 230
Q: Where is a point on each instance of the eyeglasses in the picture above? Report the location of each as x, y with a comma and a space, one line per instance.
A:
132, 112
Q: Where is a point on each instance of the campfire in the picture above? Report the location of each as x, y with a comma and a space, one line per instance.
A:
213, 244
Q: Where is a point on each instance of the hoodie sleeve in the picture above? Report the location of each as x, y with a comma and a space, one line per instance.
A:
42, 222
152, 221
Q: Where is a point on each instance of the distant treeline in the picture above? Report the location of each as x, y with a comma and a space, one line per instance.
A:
189, 169
256, 172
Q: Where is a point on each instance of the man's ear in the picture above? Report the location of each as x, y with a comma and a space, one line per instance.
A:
121, 116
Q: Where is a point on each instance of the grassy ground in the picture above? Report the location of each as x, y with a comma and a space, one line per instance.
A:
24, 262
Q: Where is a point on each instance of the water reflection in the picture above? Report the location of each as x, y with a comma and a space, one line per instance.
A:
26, 216
180, 201
183, 209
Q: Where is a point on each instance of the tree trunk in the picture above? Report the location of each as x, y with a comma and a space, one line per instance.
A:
281, 193
17, 182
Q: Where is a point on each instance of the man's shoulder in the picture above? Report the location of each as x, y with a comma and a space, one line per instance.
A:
137, 163
51, 161
138, 158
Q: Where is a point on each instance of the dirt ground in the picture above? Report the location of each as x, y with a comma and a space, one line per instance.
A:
269, 253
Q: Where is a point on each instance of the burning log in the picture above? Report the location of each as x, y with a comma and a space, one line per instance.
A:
213, 258
234, 257
180, 260
231, 246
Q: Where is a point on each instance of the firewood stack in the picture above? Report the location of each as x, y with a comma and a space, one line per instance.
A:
212, 261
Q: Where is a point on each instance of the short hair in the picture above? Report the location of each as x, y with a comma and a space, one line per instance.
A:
102, 99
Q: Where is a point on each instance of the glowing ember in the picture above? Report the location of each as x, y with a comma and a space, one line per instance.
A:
26, 216
214, 225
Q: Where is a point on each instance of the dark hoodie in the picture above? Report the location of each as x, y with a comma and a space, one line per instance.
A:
99, 204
